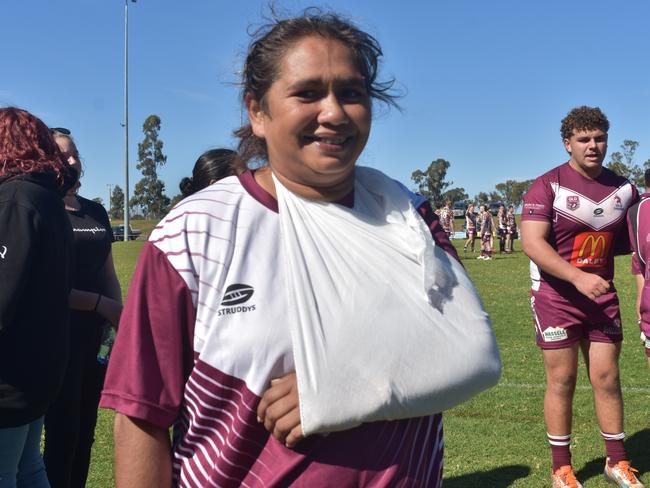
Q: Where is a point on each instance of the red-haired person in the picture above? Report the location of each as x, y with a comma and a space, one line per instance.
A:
573, 224
638, 222
35, 272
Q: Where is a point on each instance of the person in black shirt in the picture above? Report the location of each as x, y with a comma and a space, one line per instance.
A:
35, 277
95, 303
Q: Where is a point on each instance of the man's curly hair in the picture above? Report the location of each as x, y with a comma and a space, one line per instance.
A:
583, 118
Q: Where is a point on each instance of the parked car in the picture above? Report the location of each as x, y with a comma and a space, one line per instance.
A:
459, 209
118, 233
493, 207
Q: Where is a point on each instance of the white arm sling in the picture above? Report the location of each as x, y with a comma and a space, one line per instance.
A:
385, 324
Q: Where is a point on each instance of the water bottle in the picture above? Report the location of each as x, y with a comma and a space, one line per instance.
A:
108, 337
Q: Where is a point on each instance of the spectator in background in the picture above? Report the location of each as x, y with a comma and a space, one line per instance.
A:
470, 227
638, 221
212, 165
502, 228
511, 229
486, 233
95, 303
35, 278
447, 219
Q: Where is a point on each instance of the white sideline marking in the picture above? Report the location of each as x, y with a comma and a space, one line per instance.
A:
529, 386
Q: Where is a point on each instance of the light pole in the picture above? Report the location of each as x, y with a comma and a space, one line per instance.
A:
110, 197
126, 118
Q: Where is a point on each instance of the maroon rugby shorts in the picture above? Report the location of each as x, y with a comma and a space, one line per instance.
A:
560, 323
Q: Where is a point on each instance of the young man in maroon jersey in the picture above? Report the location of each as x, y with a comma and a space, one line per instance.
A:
573, 223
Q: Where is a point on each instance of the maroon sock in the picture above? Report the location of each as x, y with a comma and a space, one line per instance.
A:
560, 450
614, 448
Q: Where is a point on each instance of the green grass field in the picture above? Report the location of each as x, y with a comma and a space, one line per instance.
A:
498, 439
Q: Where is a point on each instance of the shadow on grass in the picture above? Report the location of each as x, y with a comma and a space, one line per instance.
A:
495, 478
637, 450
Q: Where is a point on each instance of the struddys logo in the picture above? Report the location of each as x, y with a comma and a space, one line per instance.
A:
573, 202
234, 298
591, 249
618, 205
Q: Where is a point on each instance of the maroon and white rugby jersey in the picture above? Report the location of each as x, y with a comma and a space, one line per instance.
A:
447, 219
204, 331
502, 221
587, 218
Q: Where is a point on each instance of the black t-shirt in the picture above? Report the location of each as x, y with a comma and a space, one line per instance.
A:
92, 244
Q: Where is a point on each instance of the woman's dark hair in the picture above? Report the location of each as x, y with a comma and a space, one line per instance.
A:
272, 41
211, 166
27, 146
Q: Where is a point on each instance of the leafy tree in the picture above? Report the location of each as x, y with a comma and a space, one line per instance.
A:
117, 203
455, 195
481, 198
512, 192
629, 148
518, 192
494, 197
431, 182
504, 190
622, 162
99, 200
149, 192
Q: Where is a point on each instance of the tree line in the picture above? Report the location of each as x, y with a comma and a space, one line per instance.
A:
432, 183
149, 200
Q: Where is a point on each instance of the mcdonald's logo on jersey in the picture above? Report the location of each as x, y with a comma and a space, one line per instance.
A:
591, 249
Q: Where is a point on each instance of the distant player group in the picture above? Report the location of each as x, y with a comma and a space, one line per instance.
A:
482, 226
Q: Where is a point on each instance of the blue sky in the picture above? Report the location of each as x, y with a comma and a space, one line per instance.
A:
486, 83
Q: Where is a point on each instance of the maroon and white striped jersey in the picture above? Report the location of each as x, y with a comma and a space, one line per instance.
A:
204, 331
447, 219
511, 222
587, 218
